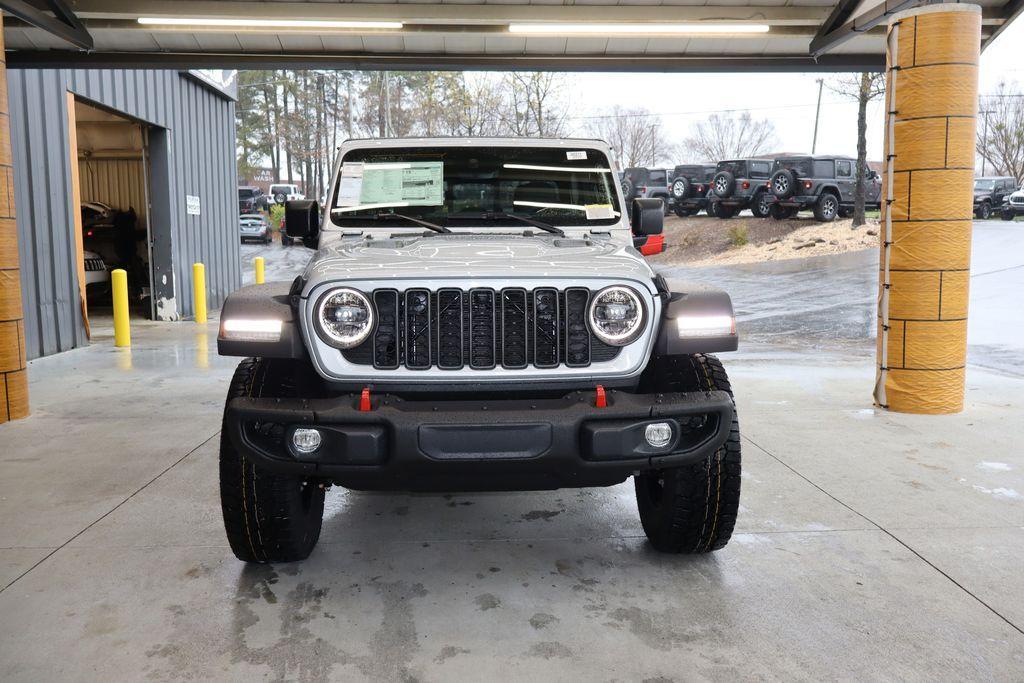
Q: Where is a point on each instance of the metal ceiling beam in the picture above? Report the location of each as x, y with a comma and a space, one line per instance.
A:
63, 23
1011, 11
822, 43
42, 59
840, 15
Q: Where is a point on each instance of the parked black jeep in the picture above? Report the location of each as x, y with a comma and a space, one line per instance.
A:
826, 184
990, 193
688, 188
740, 184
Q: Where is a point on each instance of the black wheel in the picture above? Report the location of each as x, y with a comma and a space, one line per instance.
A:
681, 188
723, 184
280, 198
760, 206
268, 517
683, 211
1007, 216
692, 509
779, 212
628, 189
711, 209
984, 211
722, 211
827, 207
844, 213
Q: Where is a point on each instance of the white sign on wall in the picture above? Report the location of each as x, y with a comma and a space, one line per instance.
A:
192, 206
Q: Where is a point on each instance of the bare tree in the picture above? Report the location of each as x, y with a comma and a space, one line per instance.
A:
636, 136
863, 88
1001, 130
730, 137
534, 104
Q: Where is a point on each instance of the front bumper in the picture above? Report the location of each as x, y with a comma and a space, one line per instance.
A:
518, 444
1015, 209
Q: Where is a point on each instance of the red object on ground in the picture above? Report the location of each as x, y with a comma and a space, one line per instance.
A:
364, 402
601, 401
655, 244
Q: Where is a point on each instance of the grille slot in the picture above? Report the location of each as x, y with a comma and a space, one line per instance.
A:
577, 334
385, 337
545, 327
417, 329
513, 328
449, 329
481, 328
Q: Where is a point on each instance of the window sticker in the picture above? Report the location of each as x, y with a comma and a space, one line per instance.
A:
597, 212
416, 183
576, 156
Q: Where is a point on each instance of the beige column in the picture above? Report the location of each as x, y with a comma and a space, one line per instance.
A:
13, 377
931, 105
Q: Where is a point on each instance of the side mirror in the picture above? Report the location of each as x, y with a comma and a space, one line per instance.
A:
648, 217
302, 220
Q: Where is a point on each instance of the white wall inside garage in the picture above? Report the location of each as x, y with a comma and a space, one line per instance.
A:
195, 124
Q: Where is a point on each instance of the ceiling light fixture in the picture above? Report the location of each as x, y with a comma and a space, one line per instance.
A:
267, 23
605, 29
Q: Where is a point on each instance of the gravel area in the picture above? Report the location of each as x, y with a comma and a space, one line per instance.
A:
702, 241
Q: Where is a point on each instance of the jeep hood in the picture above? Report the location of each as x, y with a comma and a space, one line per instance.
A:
456, 256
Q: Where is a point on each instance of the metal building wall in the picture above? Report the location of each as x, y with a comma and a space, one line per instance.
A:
196, 131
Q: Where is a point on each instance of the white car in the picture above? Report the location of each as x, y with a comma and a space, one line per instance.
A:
96, 274
281, 193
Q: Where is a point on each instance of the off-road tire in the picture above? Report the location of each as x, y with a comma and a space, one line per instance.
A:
783, 183
268, 517
1008, 215
723, 184
681, 188
826, 208
692, 509
781, 213
984, 211
724, 212
759, 206
684, 212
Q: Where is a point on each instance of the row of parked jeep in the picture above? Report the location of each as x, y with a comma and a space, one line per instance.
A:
777, 188
1002, 195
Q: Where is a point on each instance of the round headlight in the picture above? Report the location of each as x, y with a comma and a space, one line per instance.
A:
617, 315
344, 318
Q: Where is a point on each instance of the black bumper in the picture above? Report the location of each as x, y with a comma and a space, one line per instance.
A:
796, 201
517, 444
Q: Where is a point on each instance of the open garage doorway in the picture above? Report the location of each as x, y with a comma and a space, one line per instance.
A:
113, 198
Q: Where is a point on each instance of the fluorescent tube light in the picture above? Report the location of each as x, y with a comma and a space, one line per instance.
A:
604, 29
266, 23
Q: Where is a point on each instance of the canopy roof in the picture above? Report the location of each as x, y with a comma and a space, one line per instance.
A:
805, 35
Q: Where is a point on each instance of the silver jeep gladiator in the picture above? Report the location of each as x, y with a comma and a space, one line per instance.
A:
475, 318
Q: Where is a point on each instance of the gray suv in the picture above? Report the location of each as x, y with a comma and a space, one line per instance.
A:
825, 184
475, 318
688, 188
645, 183
740, 184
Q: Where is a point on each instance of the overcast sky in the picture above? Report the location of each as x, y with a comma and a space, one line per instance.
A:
788, 100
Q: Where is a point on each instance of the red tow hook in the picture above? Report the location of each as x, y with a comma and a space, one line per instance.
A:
364, 401
601, 401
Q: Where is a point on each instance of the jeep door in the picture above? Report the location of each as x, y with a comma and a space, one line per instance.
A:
846, 181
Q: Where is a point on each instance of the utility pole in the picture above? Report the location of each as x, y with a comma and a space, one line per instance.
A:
817, 115
388, 132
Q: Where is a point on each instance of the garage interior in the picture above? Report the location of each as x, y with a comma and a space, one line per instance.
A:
871, 544
113, 171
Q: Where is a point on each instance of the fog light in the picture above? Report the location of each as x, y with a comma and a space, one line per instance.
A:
306, 441
658, 434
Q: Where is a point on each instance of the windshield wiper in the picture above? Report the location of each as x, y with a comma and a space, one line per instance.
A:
379, 216
490, 215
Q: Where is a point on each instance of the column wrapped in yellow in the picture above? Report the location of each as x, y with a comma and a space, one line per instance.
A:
931, 104
13, 377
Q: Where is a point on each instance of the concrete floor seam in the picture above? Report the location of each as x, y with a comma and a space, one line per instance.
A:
891, 535
108, 512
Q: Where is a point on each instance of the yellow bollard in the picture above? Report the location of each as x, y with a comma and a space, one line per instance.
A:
258, 264
199, 292
122, 330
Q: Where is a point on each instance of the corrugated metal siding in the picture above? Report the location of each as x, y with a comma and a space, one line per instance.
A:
200, 161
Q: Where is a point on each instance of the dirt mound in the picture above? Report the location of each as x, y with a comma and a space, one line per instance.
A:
699, 240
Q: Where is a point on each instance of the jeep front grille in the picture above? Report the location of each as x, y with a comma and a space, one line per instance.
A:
1017, 200
481, 328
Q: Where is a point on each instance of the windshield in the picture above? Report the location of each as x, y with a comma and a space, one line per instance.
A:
276, 189
737, 168
984, 184
454, 185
